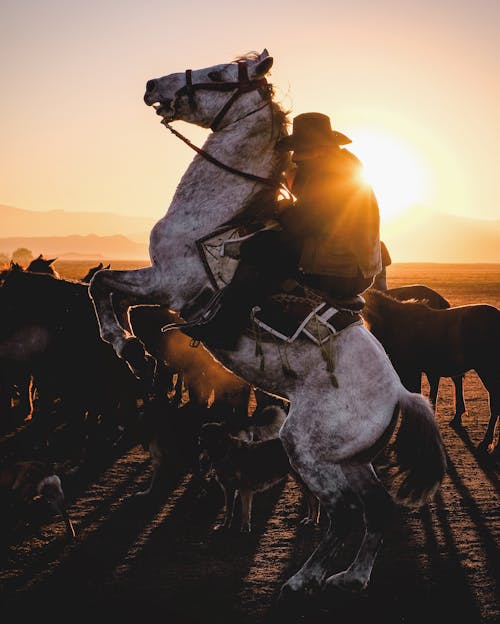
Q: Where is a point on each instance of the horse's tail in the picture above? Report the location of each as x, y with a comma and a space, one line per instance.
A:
420, 460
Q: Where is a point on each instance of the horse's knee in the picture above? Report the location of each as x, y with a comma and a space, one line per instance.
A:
97, 284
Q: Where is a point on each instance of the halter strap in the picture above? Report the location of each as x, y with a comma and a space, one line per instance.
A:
243, 85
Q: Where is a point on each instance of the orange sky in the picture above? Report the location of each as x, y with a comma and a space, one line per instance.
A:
415, 85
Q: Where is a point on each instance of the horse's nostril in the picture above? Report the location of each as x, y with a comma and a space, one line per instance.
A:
150, 85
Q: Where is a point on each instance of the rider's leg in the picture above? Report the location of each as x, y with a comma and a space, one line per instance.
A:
265, 262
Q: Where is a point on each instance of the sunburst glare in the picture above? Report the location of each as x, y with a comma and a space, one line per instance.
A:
398, 174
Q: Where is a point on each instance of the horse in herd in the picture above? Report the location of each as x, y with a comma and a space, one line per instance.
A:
331, 442
420, 292
440, 343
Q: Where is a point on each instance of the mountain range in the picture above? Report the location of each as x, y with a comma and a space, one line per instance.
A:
418, 235
64, 233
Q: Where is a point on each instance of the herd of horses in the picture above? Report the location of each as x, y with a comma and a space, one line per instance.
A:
50, 349
63, 336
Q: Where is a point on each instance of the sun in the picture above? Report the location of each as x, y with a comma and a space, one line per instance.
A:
397, 173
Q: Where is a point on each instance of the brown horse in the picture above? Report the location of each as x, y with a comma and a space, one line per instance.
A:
440, 343
420, 292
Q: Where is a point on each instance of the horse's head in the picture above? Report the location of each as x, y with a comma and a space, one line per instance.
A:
213, 96
92, 271
42, 265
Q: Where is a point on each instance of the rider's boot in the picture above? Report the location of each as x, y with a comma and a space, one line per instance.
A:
224, 321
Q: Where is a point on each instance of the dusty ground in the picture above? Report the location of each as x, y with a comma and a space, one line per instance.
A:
161, 557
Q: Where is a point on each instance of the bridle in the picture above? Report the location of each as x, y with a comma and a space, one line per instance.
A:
242, 85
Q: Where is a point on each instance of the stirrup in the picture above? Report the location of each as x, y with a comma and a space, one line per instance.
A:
207, 315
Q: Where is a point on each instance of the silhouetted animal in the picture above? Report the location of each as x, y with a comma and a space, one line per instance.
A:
243, 468
42, 265
92, 271
440, 343
170, 434
419, 292
24, 481
49, 325
202, 376
15, 379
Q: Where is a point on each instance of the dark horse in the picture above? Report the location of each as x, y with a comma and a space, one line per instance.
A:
420, 292
440, 343
48, 327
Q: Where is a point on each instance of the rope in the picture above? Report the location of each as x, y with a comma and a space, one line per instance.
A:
328, 353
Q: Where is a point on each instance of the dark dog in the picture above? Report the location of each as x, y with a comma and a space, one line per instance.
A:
26, 481
246, 467
170, 434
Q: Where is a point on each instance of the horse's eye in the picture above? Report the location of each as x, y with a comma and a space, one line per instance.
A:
215, 76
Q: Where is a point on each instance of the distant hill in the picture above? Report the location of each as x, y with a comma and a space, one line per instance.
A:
418, 235
423, 235
91, 246
19, 222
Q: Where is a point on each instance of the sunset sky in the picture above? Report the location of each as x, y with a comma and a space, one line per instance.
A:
415, 85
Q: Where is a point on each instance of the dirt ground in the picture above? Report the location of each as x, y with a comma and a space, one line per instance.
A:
160, 557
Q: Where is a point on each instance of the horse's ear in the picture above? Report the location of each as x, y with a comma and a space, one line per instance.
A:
108, 267
51, 260
263, 66
99, 266
39, 257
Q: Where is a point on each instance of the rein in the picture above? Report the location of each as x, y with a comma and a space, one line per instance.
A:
218, 163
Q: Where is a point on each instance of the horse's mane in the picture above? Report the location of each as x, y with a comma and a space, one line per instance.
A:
384, 308
280, 114
263, 202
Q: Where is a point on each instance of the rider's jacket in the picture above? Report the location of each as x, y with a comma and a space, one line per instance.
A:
335, 220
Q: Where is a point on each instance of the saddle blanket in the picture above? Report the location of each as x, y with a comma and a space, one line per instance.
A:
289, 319
220, 250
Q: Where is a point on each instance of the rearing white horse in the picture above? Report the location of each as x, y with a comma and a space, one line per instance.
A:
331, 433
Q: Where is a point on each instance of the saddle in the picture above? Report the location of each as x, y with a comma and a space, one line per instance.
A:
299, 310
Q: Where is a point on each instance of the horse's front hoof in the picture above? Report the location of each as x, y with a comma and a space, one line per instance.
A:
139, 361
346, 583
221, 528
298, 588
289, 596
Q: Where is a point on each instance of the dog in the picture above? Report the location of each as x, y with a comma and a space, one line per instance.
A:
23, 482
245, 467
170, 435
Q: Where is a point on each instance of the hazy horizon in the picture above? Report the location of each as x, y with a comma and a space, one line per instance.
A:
414, 85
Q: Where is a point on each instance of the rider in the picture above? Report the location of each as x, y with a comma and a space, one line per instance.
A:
328, 240
380, 282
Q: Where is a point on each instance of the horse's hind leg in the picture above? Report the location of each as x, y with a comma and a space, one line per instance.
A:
328, 482
377, 505
460, 408
433, 389
491, 382
136, 286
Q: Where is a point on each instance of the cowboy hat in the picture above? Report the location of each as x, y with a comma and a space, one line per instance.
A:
311, 130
